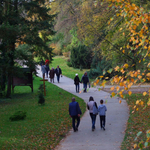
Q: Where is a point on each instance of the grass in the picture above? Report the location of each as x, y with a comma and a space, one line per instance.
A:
138, 121
66, 70
44, 126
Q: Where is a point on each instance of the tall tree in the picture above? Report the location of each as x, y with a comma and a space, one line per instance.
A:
20, 23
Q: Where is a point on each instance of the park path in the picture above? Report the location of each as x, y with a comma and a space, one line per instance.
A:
85, 139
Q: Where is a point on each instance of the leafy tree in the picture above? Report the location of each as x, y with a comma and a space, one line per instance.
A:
20, 23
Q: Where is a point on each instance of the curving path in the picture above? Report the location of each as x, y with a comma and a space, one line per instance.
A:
85, 138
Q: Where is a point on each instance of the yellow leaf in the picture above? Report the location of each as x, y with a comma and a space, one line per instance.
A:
120, 101
141, 103
103, 84
137, 102
121, 83
117, 68
130, 85
101, 76
148, 103
129, 92
117, 88
94, 84
144, 93
97, 81
132, 80
135, 145
123, 51
126, 88
112, 88
113, 94
140, 77
137, 109
121, 96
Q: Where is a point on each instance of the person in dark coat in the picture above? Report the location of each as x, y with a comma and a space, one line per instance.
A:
76, 82
47, 69
85, 80
52, 74
58, 73
75, 112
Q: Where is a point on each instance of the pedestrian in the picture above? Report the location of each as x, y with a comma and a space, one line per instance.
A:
75, 112
52, 74
85, 80
58, 73
76, 82
47, 69
102, 114
90, 105
43, 69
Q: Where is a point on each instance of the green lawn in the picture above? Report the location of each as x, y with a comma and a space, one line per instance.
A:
44, 125
138, 121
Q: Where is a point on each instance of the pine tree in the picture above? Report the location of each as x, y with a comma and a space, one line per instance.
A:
20, 23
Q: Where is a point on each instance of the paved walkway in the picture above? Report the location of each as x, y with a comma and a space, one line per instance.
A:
85, 138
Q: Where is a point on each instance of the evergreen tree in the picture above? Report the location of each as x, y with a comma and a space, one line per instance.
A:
20, 23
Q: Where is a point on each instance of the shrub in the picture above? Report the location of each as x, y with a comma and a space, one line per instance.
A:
81, 57
41, 96
102, 65
19, 115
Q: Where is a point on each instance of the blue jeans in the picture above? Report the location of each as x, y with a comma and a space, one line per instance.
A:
85, 86
93, 118
58, 76
77, 87
74, 118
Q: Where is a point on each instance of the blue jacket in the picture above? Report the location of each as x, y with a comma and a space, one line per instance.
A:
74, 109
102, 109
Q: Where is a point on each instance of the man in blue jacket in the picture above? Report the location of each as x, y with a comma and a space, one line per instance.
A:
85, 80
75, 112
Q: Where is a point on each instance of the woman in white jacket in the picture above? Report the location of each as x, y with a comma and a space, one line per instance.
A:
90, 105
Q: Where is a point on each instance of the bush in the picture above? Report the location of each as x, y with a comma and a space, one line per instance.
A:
102, 65
41, 96
19, 115
69, 64
81, 57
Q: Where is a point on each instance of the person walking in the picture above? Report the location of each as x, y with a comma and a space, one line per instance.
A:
90, 105
76, 82
85, 80
58, 73
102, 114
43, 70
52, 74
47, 69
75, 112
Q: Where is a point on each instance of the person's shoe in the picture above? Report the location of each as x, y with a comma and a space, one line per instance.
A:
92, 129
76, 129
103, 128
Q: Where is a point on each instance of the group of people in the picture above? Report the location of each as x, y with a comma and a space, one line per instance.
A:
84, 80
51, 72
75, 112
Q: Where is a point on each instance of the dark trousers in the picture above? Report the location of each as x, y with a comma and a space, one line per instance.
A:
102, 121
84, 86
58, 77
74, 124
77, 87
93, 118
